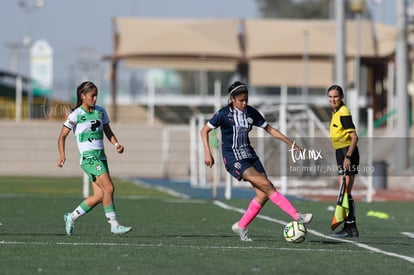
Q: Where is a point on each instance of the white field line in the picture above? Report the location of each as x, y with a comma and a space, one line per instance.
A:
319, 234
408, 234
199, 247
162, 189
228, 207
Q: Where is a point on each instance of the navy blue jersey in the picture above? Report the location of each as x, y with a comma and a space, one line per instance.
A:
235, 127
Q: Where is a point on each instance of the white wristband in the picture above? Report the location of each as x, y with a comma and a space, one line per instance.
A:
116, 144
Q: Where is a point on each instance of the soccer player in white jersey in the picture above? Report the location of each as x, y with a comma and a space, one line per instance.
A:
89, 123
236, 121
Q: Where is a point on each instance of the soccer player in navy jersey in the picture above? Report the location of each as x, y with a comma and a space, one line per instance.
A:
236, 121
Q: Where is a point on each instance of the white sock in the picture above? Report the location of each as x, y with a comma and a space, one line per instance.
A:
112, 220
78, 212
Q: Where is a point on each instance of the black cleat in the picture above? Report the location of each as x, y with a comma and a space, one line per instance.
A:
344, 233
354, 231
350, 230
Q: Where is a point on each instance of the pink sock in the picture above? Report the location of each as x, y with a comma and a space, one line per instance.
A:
284, 204
250, 214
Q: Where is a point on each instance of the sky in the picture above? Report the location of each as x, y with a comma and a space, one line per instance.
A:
76, 29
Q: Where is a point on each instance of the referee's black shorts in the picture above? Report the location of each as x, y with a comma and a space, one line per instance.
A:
340, 156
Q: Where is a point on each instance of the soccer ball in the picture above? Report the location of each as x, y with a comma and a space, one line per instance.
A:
295, 232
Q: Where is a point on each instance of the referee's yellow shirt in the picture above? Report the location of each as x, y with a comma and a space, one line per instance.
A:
340, 128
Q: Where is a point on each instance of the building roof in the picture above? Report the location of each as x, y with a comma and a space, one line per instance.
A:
178, 43
279, 51
277, 38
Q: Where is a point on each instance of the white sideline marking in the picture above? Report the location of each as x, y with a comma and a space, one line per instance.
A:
178, 246
319, 234
162, 189
228, 207
408, 234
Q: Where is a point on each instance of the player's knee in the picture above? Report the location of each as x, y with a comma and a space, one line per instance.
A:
109, 188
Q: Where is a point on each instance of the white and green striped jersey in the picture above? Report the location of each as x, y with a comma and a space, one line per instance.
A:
88, 130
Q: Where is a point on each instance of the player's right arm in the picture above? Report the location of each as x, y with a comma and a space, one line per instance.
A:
64, 132
208, 157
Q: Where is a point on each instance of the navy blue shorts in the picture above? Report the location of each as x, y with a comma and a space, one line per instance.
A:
237, 168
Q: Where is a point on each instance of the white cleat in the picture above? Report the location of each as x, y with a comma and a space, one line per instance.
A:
242, 232
120, 229
305, 218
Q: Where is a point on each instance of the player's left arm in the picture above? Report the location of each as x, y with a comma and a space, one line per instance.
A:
112, 138
351, 148
354, 141
277, 134
349, 127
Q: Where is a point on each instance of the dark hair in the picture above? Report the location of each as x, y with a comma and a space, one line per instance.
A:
235, 89
83, 88
338, 88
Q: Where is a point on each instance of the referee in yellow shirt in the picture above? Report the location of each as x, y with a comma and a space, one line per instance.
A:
344, 140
